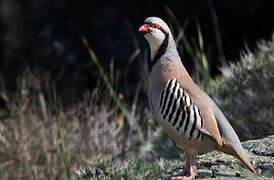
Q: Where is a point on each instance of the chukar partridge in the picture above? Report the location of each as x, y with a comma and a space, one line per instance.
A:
186, 113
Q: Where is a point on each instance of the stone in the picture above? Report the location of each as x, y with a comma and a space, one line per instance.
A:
217, 165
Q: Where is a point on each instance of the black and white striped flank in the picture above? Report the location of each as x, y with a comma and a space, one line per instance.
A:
178, 109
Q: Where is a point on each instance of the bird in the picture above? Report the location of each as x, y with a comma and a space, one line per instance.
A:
186, 113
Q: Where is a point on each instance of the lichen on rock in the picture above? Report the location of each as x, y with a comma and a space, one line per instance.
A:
222, 166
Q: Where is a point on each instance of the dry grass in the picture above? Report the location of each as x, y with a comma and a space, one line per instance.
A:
40, 139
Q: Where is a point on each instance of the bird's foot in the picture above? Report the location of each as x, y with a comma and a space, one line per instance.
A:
189, 170
184, 177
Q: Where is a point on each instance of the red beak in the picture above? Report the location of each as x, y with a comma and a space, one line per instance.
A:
144, 28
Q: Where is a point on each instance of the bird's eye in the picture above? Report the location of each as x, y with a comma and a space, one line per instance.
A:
155, 26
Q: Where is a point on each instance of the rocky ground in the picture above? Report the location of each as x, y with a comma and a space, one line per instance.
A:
213, 165
216, 165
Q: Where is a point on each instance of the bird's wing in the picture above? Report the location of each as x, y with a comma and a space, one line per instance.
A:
210, 123
204, 104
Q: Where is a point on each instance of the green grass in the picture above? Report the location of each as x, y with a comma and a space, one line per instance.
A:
103, 75
63, 151
131, 169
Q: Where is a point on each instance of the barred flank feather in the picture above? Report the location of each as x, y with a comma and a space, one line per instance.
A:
178, 109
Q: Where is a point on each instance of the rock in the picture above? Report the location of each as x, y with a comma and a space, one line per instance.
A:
211, 166
221, 166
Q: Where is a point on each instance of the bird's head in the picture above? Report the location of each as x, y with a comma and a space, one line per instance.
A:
159, 37
155, 30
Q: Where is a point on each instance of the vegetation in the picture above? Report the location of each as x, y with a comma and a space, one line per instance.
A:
103, 137
41, 139
244, 92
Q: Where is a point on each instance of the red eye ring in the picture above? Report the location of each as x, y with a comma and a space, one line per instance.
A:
156, 26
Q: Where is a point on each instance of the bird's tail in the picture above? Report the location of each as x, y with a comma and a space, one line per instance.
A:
237, 151
231, 143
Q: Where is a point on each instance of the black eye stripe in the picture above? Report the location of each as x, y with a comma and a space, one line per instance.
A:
163, 30
155, 25
149, 23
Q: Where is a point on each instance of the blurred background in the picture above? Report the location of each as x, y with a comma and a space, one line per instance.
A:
47, 35
56, 105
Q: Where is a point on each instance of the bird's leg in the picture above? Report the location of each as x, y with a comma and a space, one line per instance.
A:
188, 170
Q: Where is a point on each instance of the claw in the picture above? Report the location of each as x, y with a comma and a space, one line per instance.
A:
183, 177
188, 170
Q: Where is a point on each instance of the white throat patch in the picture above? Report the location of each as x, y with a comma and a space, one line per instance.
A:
155, 38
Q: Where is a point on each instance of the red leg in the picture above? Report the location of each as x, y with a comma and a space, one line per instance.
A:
189, 169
